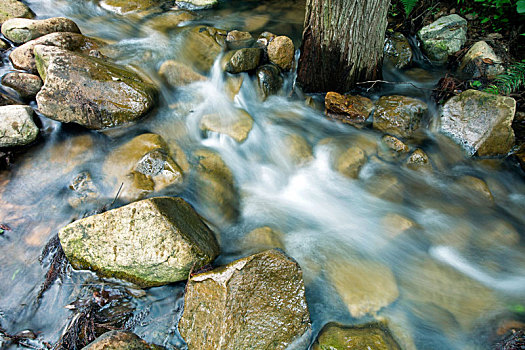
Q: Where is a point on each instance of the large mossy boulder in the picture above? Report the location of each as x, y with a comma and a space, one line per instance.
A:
89, 91
257, 302
120, 340
399, 115
480, 122
17, 127
443, 37
144, 165
22, 30
152, 242
23, 57
373, 336
14, 9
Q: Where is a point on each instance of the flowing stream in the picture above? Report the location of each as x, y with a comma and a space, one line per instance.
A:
458, 260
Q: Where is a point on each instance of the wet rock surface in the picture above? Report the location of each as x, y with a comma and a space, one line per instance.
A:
177, 74
13, 9
373, 336
27, 85
242, 60
197, 4
120, 340
269, 80
144, 165
237, 125
201, 47
17, 127
479, 122
152, 242
444, 37
23, 57
349, 109
399, 115
281, 52
89, 91
398, 51
262, 296
22, 30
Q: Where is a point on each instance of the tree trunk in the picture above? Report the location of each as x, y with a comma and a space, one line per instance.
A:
342, 43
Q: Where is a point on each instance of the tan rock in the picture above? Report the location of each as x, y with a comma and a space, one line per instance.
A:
236, 125
349, 109
374, 336
22, 30
399, 115
350, 162
281, 52
177, 74
263, 238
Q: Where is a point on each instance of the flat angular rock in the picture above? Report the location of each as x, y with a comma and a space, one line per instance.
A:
17, 127
349, 109
399, 115
479, 122
373, 336
13, 9
23, 57
481, 61
120, 340
443, 37
152, 242
27, 85
90, 91
22, 30
237, 125
256, 302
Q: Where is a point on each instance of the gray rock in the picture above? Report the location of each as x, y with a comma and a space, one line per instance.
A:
398, 51
22, 30
27, 85
257, 302
89, 91
17, 127
177, 74
13, 9
480, 122
481, 61
242, 60
120, 340
443, 37
152, 242
23, 57
197, 4
269, 80
399, 115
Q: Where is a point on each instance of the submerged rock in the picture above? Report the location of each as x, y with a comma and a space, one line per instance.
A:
215, 187
236, 125
152, 242
144, 165
263, 238
22, 30
350, 162
269, 80
443, 37
17, 127
475, 189
177, 74
242, 60
27, 85
127, 6
281, 52
418, 160
7, 100
298, 149
364, 286
170, 20
392, 148
480, 122
14, 9
398, 51
349, 109
84, 190
237, 40
201, 47
257, 302
23, 57
89, 91
399, 115
373, 336
120, 340
481, 61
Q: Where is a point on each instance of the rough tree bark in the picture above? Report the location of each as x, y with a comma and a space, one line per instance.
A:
342, 43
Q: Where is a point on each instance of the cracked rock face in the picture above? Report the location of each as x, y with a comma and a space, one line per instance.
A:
253, 303
152, 242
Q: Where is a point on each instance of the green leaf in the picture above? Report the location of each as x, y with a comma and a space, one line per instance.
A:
520, 6
1, 231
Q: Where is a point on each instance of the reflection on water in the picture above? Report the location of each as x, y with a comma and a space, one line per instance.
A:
438, 254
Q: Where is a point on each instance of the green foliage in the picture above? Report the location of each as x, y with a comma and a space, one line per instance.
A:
497, 13
512, 80
409, 5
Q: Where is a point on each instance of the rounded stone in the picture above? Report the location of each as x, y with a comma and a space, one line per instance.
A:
281, 52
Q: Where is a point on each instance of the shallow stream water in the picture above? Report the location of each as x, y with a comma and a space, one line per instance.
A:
457, 256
